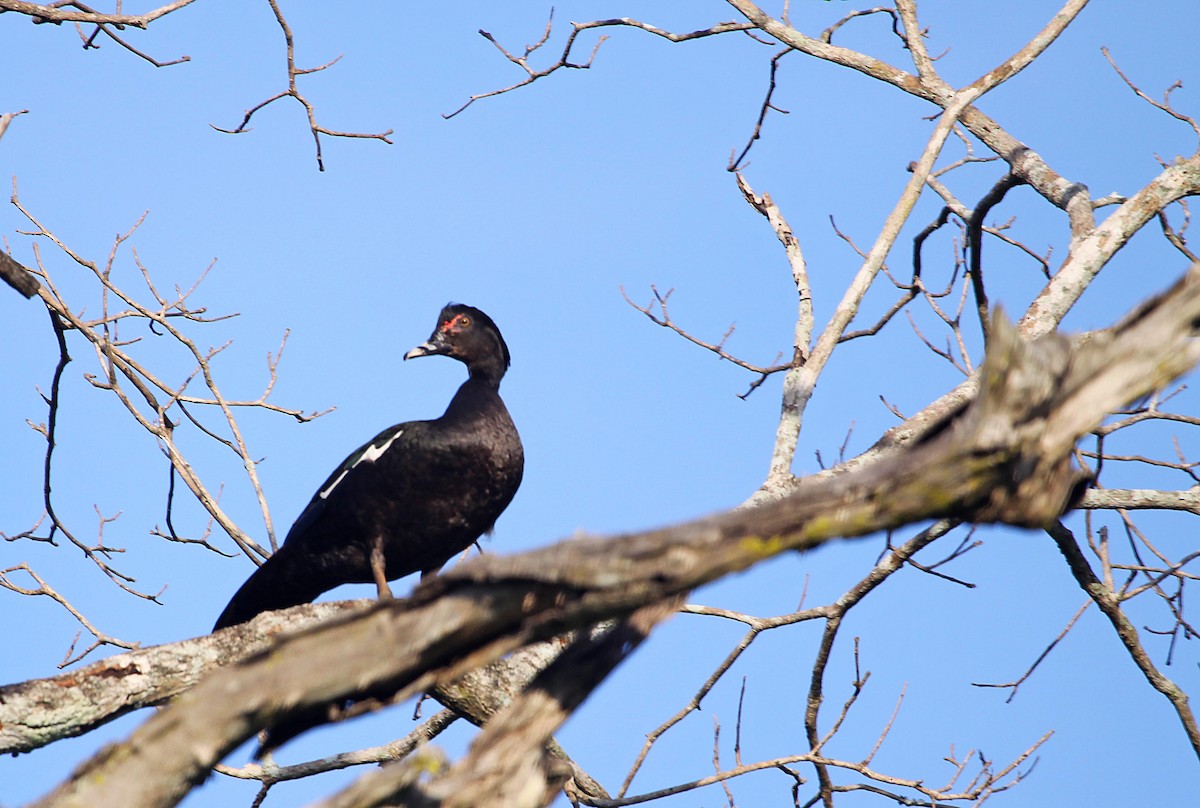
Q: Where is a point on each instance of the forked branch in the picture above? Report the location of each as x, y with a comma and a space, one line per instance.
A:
566, 58
293, 91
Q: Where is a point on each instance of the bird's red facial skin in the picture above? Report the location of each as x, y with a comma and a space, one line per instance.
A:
455, 323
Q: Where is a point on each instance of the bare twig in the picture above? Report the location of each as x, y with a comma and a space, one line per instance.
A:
270, 774
89, 43
1013, 686
663, 319
1164, 105
738, 163
293, 91
566, 58
45, 590
975, 241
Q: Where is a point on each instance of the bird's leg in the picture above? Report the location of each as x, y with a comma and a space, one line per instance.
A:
378, 569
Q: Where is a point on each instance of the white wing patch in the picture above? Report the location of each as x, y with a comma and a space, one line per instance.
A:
369, 455
374, 452
324, 492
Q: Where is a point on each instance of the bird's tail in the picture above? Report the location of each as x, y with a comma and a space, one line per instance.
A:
274, 585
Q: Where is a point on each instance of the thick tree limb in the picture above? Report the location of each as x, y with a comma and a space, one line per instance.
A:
1005, 457
41, 711
1093, 251
507, 764
484, 692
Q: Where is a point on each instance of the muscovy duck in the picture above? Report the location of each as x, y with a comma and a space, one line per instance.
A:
414, 496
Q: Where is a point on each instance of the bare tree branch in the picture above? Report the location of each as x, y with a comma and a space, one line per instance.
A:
1108, 603
41, 711
61, 12
791, 415
1164, 105
566, 59
293, 91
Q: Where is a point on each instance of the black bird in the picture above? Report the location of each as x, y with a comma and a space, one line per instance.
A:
414, 496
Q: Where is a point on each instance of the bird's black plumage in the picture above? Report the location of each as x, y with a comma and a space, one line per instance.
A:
416, 494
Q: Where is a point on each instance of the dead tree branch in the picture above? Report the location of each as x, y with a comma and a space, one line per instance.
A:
1108, 602
71, 11
566, 59
1164, 105
293, 91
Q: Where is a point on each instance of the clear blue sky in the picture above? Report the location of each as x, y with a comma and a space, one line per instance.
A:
537, 207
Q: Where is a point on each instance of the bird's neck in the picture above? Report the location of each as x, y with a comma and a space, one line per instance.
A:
487, 372
476, 397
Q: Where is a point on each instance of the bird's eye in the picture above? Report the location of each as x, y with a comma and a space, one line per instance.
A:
464, 321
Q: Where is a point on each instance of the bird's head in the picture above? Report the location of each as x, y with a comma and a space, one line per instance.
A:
470, 336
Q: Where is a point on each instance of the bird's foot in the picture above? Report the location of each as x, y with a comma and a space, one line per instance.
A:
378, 570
